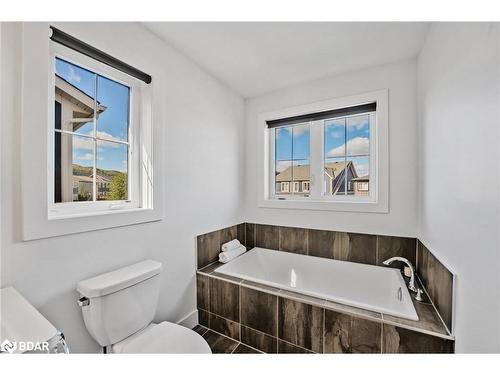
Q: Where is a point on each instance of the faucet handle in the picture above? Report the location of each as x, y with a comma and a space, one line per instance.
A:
418, 297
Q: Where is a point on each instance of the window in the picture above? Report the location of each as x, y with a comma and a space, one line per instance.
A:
363, 186
291, 157
95, 132
346, 153
61, 141
333, 154
91, 145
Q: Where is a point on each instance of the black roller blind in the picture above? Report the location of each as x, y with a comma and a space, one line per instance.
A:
341, 112
69, 41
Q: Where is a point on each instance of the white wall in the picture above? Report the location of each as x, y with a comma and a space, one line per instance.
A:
202, 128
400, 79
458, 90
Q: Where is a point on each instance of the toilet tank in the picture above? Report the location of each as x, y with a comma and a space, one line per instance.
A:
117, 304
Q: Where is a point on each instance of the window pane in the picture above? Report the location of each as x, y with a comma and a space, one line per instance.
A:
292, 154
73, 167
74, 96
113, 110
335, 136
112, 171
360, 183
358, 135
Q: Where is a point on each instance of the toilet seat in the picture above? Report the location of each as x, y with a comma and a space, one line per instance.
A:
164, 337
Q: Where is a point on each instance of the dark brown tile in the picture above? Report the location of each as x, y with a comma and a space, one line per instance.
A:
438, 281
400, 340
250, 235
267, 236
245, 349
389, 246
202, 292
241, 233
287, 348
224, 299
220, 344
259, 310
224, 326
203, 317
354, 247
261, 341
200, 330
293, 240
301, 324
208, 247
348, 334
428, 318
228, 234
321, 243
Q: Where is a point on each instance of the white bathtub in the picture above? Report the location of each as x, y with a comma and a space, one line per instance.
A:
374, 288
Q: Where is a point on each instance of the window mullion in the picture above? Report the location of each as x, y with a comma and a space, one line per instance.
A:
94, 179
316, 159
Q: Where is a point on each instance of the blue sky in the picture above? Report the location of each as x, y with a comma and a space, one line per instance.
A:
343, 138
112, 124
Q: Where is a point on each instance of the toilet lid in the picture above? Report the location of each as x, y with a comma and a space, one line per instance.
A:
163, 338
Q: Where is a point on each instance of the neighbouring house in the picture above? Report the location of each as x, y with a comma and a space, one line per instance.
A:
362, 185
83, 185
73, 109
296, 180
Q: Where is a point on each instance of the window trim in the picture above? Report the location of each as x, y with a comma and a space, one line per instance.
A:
36, 89
67, 209
379, 202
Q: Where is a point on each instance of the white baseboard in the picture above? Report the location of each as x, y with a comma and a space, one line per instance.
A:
190, 320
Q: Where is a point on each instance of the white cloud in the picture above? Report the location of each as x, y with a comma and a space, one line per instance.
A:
358, 122
297, 130
355, 146
362, 169
87, 156
84, 143
281, 165
73, 76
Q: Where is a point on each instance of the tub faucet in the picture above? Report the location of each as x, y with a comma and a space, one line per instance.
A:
411, 283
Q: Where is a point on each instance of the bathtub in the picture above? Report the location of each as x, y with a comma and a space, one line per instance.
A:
374, 288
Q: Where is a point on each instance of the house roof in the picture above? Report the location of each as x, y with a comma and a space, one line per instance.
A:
302, 172
363, 178
79, 98
100, 178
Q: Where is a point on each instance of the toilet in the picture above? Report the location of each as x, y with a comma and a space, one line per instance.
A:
118, 308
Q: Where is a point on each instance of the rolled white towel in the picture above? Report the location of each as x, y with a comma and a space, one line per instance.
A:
231, 245
227, 256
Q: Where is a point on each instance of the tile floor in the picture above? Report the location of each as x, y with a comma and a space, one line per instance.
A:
222, 344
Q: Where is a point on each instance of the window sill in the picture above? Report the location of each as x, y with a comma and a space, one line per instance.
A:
65, 215
37, 227
325, 205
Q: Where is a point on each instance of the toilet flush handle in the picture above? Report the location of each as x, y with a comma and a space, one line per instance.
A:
83, 301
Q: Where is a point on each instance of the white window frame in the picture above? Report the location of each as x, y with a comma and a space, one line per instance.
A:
378, 198
37, 144
67, 209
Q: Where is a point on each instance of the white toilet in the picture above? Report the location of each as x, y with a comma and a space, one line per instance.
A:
118, 308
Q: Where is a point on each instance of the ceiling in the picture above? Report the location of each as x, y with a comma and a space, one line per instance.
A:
254, 58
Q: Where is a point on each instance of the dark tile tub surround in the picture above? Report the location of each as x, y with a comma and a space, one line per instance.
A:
438, 281
353, 247
254, 318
